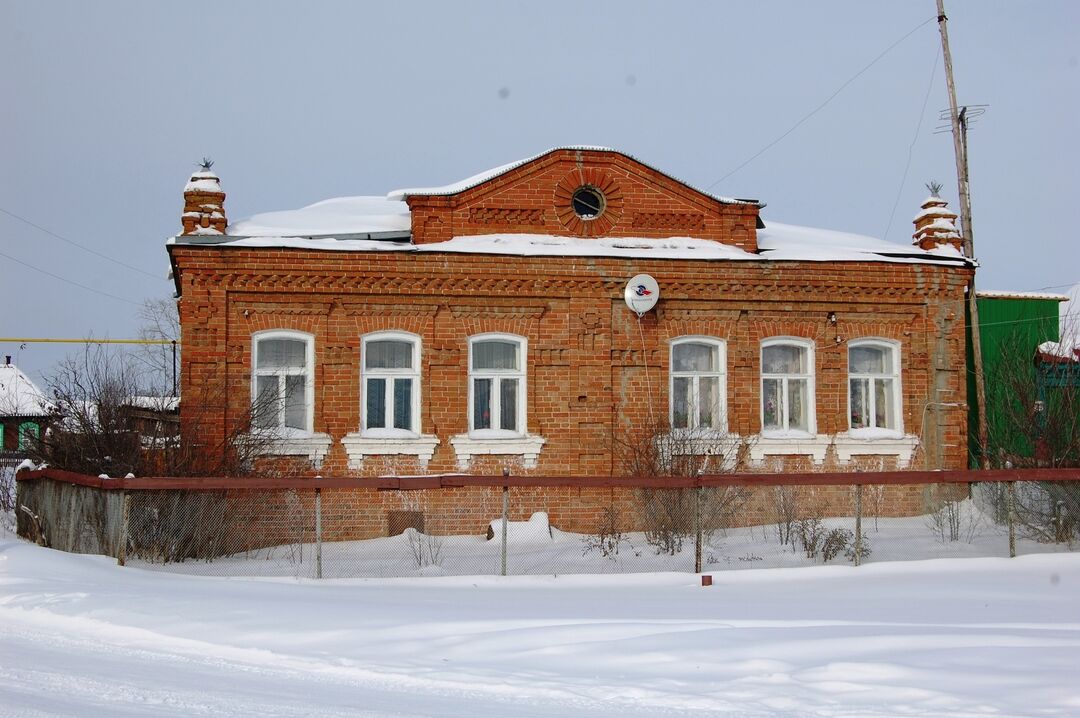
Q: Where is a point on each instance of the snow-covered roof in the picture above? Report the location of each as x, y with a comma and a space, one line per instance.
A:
155, 403
481, 177
332, 217
19, 396
779, 242
380, 224
1006, 294
1067, 350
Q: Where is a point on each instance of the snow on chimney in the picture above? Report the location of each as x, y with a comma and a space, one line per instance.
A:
934, 225
204, 203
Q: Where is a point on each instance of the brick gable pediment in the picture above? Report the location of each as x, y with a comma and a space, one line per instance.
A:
537, 198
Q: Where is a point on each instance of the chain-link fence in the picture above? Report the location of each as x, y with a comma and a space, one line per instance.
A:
460, 530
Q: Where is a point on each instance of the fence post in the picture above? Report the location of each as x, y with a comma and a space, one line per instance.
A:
125, 513
858, 524
318, 532
505, 521
697, 529
1010, 507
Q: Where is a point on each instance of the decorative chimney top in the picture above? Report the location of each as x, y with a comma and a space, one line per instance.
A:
204, 202
935, 224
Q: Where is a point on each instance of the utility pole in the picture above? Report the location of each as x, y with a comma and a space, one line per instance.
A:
959, 132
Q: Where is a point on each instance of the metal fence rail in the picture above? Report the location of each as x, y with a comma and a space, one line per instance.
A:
439, 526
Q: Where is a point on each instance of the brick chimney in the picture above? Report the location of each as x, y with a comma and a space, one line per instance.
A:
204, 203
934, 225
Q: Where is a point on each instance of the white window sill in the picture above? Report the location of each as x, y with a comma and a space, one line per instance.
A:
382, 442
291, 442
527, 447
847, 445
704, 442
789, 443
875, 442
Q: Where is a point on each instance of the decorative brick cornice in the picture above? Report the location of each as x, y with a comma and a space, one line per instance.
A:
510, 216
689, 221
687, 314
782, 283
393, 310
495, 311
281, 309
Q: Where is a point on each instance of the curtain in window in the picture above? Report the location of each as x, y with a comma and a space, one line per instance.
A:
695, 357
508, 404
266, 401
296, 401
869, 360
783, 359
481, 403
376, 403
388, 354
494, 355
281, 354
403, 403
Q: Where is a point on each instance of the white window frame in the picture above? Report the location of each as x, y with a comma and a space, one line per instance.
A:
892, 346
720, 375
308, 372
811, 390
390, 374
521, 374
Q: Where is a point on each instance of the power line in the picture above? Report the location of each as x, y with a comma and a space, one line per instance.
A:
911, 147
31, 340
73, 243
1066, 315
822, 105
64, 279
1057, 286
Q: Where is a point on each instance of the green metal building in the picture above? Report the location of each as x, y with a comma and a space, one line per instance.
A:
1012, 326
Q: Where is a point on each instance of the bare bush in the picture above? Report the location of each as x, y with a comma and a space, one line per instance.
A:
608, 536
102, 423
785, 500
425, 549
1035, 421
1045, 511
851, 549
874, 499
669, 516
811, 534
160, 323
949, 516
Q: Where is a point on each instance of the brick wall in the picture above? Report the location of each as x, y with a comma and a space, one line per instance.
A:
587, 354
535, 199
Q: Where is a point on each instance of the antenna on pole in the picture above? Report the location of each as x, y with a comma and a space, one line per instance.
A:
959, 119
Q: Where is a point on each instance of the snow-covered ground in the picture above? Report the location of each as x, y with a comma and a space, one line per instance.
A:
535, 548
80, 636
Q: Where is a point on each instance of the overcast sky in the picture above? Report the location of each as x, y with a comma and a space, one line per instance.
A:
108, 106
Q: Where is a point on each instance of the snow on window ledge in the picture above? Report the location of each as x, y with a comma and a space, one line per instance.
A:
876, 442
381, 442
492, 443
290, 442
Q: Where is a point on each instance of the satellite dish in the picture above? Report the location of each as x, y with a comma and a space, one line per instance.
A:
641, 294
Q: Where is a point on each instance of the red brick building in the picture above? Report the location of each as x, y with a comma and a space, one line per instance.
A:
482, 326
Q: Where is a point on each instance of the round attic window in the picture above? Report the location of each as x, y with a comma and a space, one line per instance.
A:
588, 202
